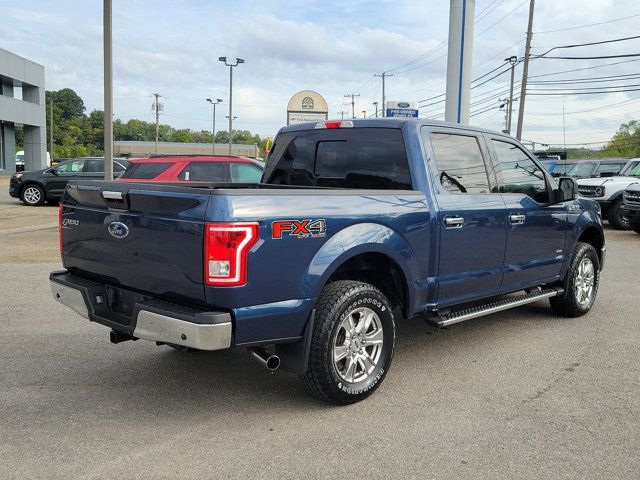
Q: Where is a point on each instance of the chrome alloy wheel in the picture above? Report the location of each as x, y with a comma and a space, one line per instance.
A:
358, 345
31, 195
585, 279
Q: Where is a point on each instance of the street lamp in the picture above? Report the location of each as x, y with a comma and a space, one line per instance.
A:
230, 116
375, 104
364, 114
213, 124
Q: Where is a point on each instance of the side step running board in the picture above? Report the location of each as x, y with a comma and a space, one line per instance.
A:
443, 319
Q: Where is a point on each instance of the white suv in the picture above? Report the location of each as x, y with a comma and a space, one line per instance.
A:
608, 192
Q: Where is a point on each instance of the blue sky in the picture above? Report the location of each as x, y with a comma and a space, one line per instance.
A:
171, 47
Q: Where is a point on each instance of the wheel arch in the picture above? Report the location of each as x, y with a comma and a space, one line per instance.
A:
362, 252
29, 183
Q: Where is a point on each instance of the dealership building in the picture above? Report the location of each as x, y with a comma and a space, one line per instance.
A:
22, 102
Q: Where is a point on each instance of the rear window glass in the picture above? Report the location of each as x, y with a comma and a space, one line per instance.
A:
367, 158
145, 170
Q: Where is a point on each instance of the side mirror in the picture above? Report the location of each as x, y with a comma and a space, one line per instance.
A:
567, 190
54, 171
607, 174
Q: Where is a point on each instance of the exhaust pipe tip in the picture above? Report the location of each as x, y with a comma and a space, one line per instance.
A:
269, 360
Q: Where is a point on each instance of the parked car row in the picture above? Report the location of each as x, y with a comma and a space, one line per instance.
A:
608, 192
631, 206
602, 167
47, 185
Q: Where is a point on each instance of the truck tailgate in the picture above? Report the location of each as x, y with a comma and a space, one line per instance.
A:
145, 237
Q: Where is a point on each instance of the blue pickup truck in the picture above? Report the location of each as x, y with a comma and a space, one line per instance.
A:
357, 225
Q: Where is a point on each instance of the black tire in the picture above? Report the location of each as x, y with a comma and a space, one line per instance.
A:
635, 226
32, 195
568, 304
616, 218
336, 301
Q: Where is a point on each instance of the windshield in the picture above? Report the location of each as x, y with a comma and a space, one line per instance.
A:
631, 169
582, 169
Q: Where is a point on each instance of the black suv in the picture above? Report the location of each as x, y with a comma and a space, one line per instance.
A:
37, 186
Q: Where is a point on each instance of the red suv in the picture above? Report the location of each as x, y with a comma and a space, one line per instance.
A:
184, 168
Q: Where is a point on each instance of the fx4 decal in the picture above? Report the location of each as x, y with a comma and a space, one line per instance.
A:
299, 228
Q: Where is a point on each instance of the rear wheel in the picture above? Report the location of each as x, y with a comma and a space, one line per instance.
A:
580, 284
32, 195
352, 343
635, 226
616, 217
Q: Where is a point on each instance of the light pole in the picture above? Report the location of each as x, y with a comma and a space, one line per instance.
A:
364, 114
230, 116
108, 91
375, 104
213, 124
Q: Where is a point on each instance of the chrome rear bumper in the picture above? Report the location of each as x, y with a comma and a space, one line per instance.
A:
150, 320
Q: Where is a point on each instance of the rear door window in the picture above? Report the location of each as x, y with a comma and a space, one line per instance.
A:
366, 158
205, 172
145, 170
94, 166
461, 168
245, 173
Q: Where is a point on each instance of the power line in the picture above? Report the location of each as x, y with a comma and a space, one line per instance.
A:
607, 78
591, 58
581, 69
576, 45
532, 92
587, 25
494, 24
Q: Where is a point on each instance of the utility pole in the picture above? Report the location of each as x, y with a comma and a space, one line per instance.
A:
513, 61
342, 112
157, 110
108, 91
384, 75
213, 124
525, 70
230, 116
51, 127
353, 103
375, 104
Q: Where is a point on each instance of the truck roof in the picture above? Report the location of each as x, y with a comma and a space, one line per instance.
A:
391, 123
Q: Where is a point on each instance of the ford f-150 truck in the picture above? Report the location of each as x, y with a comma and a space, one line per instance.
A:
356, 225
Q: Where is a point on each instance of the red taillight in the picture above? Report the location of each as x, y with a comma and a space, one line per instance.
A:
60, 227
226, 248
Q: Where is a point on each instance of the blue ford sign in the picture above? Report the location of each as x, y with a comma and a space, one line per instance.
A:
401, 109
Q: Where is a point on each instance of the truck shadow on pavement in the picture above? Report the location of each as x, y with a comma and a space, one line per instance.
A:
152, 380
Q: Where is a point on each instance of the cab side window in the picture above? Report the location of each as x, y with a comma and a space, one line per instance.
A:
517, 173
461, 168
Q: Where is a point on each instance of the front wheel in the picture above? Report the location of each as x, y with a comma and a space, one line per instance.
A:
580, 284
352, 342
616, 217
32, 195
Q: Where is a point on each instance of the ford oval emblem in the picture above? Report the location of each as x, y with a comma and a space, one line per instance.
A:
403, 105
118, 229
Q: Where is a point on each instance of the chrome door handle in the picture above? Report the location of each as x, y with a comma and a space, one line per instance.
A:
455, 222
517, 219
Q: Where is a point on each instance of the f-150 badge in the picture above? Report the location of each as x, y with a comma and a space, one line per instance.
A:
299, 228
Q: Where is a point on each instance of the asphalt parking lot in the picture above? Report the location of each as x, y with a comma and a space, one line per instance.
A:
520, 394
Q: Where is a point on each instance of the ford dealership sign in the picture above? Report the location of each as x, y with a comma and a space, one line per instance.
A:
402, 109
